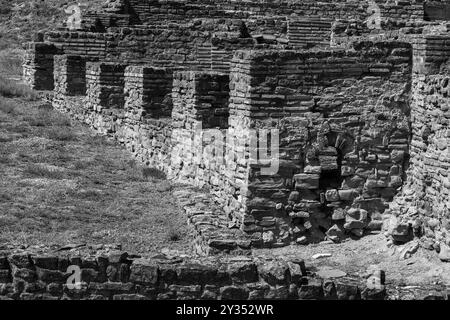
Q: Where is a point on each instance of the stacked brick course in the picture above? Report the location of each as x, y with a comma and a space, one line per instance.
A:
70, 75
343, 115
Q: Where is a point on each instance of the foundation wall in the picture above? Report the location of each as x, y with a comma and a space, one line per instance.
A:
118, 276
343, 123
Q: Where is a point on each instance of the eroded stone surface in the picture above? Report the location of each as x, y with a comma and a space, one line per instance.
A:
149, 278
346, 109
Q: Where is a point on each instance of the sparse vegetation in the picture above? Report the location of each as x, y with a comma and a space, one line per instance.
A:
62, 184
12, 89
61, 134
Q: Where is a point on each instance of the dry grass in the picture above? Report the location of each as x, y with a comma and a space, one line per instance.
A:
12, 89
11, 61
62, 184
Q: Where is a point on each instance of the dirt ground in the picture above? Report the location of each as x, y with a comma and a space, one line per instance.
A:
407, 277
61, 184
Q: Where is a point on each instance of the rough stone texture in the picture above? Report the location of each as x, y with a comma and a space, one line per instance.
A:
344, 129
202, 35
105, 95
345, 110
117, 276
70, 75
146, 125
422, 208
38, 65
200, 117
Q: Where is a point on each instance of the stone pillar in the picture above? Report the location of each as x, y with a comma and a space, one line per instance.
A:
343, 129
38, 65
148, 92
146, 128
201, 97
105, 95
70, 75
70, 85
200, 117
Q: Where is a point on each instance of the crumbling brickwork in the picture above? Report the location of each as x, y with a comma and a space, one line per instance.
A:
200, 102
343, 122
70, 75
422, 209
105, 95
355, 91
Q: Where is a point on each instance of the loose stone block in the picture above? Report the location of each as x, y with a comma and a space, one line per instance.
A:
307, 181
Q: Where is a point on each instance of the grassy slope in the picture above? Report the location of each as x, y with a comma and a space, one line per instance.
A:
61, 184
20, 19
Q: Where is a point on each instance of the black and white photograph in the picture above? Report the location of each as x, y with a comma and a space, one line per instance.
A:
224, 156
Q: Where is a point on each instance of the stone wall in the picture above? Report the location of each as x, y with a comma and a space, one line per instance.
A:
110, 274
38, 65
70, 75
70, 85
146, 126
342, 110
421, 210
200, 108
348, 9
159, 33
343, 121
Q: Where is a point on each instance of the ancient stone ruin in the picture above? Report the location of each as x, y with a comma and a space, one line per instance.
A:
357, 92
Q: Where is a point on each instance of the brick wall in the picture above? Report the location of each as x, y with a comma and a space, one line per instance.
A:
344, 129
342, 118
342, 115
421, 210
70, 75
